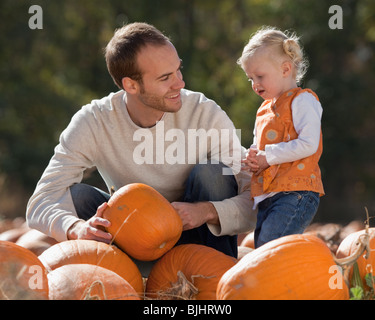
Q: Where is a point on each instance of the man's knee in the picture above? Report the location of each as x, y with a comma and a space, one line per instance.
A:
87, 199
210, 181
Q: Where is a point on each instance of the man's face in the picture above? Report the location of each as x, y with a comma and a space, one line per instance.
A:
161, 78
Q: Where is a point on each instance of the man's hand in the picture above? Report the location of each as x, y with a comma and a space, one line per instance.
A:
92, 229
194, 215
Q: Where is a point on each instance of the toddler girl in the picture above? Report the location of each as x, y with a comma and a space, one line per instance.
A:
286, 182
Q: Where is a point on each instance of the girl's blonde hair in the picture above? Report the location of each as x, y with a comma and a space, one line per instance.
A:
286, 44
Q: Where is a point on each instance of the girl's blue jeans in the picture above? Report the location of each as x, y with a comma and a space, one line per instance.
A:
283, 214
205, 183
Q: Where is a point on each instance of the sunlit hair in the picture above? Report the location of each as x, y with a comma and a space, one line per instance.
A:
283, 43
122, 50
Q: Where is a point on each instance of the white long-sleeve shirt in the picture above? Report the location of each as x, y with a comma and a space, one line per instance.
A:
102, 135
306, 113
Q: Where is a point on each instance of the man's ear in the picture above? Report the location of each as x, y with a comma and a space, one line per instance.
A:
286, 68
131, 86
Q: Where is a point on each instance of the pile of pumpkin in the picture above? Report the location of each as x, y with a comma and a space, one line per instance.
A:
34, 266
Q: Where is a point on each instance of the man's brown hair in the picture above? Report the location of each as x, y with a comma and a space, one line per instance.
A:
121, 51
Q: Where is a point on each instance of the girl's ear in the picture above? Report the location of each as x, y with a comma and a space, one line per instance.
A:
130, 86
287, 68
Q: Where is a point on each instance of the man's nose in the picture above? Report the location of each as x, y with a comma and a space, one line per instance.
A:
179, 82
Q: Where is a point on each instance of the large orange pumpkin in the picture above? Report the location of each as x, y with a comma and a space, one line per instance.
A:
22, 275
295, 267
350, 245
96, 253
88, 282
143, 223
188, 271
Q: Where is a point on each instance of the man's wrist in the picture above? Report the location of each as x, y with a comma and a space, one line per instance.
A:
72, 233
212, 215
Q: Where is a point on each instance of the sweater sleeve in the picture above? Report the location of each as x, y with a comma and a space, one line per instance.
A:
236, 214
50, 209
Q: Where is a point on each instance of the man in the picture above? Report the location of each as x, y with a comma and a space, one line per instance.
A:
145, 133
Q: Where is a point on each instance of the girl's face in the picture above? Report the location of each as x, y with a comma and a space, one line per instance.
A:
270, 77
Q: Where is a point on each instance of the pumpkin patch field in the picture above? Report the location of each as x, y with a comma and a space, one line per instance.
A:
313, 266
326, 262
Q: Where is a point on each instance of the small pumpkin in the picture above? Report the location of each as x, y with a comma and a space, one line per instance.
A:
88, 282
243, 251
248, 241
12, 235
22, 275
188, 271
35, 241
294, 267
143, 223
95, 253
350, 245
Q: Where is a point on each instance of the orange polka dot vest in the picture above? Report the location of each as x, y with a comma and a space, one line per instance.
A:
275, 124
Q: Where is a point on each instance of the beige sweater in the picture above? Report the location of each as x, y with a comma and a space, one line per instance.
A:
102, 135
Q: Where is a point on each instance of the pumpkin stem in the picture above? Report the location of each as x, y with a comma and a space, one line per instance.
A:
188, 290
363, 245
364, 241
112, 191
87, 294
182, 289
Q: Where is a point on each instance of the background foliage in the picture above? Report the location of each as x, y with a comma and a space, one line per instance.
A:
48, 74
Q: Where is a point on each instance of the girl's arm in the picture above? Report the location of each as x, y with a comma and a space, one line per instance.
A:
307, 113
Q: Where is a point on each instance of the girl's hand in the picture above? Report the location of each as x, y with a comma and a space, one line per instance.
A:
261, 162
251, 162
